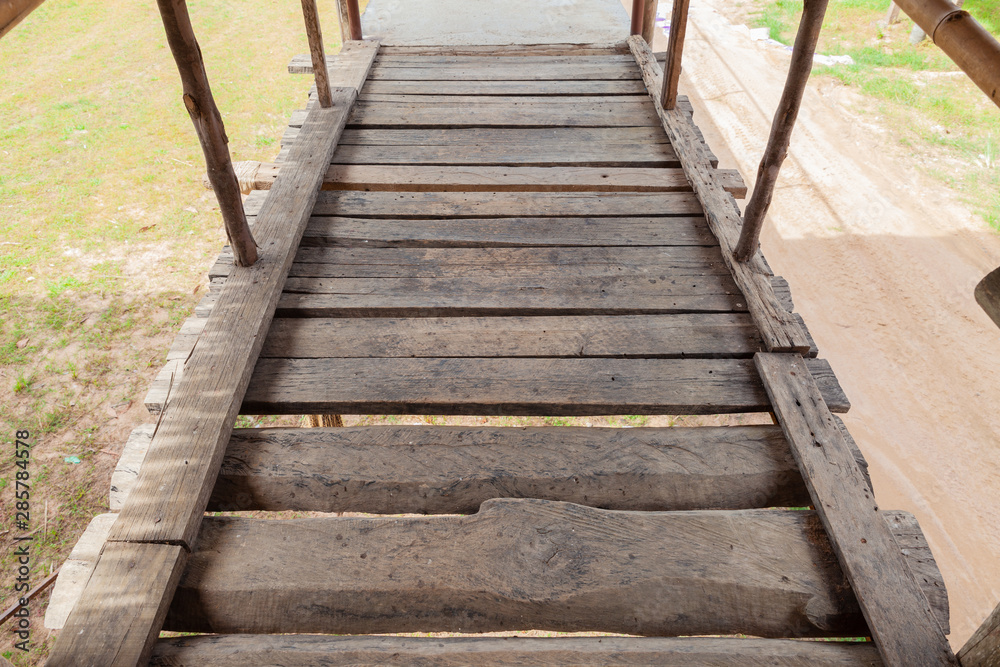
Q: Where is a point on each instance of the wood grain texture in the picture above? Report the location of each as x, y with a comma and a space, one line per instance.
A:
983, 647
492, 60
513, 386
317, 52
549, 87
328, 651
129, 462
505, 72
603, 113
543, 138
898, 613
510, 50
520, 564
490, 101
119, 616
581, 154
650, 336
208, 396
452, 470
779, 329
917, 553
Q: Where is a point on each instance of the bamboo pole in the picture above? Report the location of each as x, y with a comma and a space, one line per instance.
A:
781, 127
208, 124
649, 21
675, 51
638, 11
353, 18
317, 52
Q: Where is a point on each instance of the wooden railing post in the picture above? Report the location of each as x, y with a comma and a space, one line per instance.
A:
675, 49
349, 8
208, 124
638, 10
649, 21
781, 127
317, 52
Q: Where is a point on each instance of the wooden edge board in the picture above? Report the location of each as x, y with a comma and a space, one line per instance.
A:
75, 571
983, 647
916, 551
129, 462
780, 330
302, 63
333, 651
898, 613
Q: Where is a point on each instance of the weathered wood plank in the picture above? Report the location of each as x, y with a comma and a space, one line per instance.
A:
913, 545
490, 60
520, 564
651, 336
331, 651
983, 647
506, 386
127, 595
549, 87
509, 50
207, 398
187, 337
352, 203
127, 469
514, 72
76, 570
898, 613
582, 154
780, 330
594, 114
547, 138
628, 102
454, 469
507, 232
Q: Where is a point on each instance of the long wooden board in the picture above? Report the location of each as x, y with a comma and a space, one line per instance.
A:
549, 138
454, 469
651, 336
514, 72
594, 114
519, 564
331, 651
492, 60
897, 612
521, 386
582, 154
583, 87
627, 102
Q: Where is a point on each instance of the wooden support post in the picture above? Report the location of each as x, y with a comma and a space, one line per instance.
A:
13, 12
675, 49
208, 124
649, 20
349, 8
983, 648
781, 127
892, 16
638, 11
345, 22
317, 52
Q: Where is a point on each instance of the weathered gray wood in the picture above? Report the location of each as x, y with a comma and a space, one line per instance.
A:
490, 102
510, 50
127, 468
582, 154
983, 647
513, 72
491, 60
207, 398
187, 337
675, 51
780, 331
781, 128
542, 138
208, 125
593, 114
332, 651
126, 596
546, 87
317, 52
898, 613
917, 553
507, 232
652, 336
453, 469
440, 386
504, 204
76, 570
520, 564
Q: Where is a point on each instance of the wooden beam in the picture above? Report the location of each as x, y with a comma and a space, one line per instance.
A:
208, 124
779, 329
983, 647
13, 12
353, 18
898, 613
316, 50
675, 50
781, 127
637, 15
649, 20
344, 21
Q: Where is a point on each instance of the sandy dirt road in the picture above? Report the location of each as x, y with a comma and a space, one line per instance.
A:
882, 263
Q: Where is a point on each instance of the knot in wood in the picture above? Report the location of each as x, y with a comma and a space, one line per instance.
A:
191, 104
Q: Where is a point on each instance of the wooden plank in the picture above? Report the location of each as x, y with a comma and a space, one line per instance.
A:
594, 114
550, 138
127, 594
509, 50
504, 204
983, 647
549, 87
897, 611
207, 398
582, 155
514, 72
917, 553
520, 564
332, 651
440, 386
651, 336
454, 469
494, 59
434, 100
127, 468
506, 232
187, 337
780, 331
75, 572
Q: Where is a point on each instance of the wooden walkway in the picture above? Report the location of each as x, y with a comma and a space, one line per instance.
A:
491, 232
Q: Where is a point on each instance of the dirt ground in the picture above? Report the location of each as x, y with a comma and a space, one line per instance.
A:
882, 262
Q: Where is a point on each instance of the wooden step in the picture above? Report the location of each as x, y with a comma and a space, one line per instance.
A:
518, 565
331, 651
453, 469
546, 87
476, 386
507, 72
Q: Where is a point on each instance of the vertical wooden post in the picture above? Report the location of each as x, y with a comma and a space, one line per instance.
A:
675, 49
892, 16
649, 21
350, 9
208, 124
781, 127
637, 14
344, 21
315, 35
